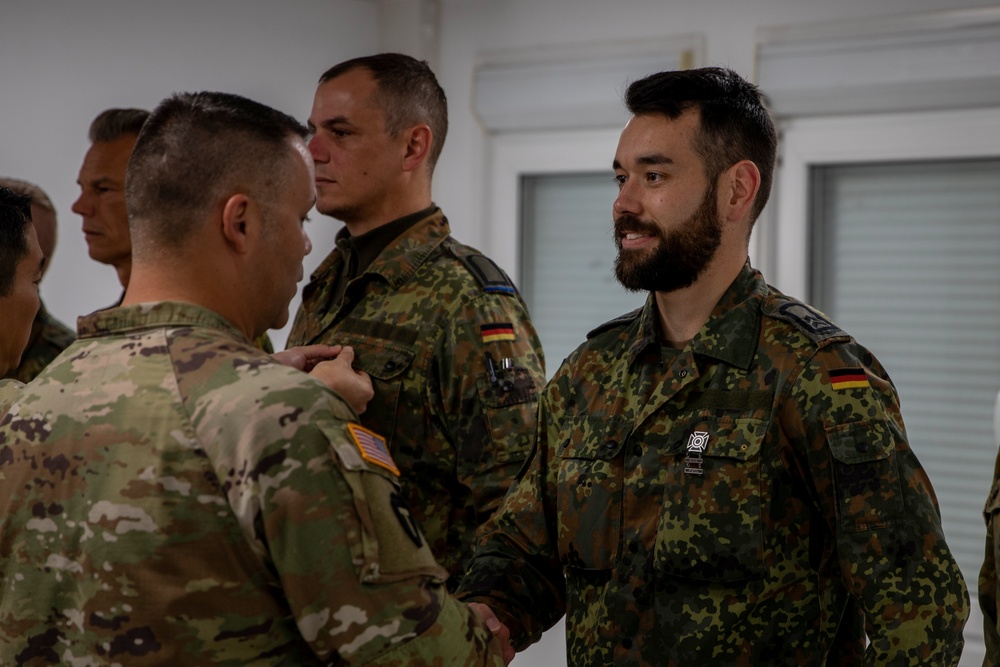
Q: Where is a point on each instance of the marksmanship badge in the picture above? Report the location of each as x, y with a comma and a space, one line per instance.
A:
697, 442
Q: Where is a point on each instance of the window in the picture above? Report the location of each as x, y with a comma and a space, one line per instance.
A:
567, 259
891, 224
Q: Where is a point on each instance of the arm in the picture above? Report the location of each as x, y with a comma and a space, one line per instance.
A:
989, 587
359, 580
879, 508
489, 370
516, 571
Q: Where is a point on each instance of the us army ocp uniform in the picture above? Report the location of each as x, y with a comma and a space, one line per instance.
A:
455, 363
720, 504
173, 496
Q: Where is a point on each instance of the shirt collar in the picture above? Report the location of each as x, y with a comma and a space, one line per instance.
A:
139, 317
731, 332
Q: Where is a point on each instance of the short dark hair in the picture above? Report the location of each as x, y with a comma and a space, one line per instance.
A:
15, 216
735, 124
113, 124
197, 149
408, 94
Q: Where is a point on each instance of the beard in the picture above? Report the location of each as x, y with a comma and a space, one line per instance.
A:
680, 256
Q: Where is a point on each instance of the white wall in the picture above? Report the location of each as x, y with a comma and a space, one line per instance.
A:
62, 62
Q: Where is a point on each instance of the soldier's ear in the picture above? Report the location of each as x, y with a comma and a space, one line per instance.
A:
738, 188
236, 223
418, 147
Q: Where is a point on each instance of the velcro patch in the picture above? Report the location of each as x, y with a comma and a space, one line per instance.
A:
497, 331
373, 448
849, 378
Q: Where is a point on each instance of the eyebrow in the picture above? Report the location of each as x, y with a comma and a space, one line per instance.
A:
41, 264
651, 159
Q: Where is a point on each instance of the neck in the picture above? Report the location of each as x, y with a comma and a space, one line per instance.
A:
206, 288
682, 313
408, 197
124, 271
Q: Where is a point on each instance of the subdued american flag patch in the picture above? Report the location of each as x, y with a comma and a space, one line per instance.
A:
372, 447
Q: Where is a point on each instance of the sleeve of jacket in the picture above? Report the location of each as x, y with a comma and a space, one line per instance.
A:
516, 569
489, 369
357, 574
842, 416
989, 587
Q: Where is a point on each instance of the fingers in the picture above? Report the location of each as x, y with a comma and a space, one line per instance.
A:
500, 631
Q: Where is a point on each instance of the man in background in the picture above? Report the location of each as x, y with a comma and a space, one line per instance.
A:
48, 336
174, 495
21, 266
101, 203
445, 337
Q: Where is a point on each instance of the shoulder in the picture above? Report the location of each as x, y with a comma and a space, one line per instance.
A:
615, 325
478, 271
233, 382
793, 317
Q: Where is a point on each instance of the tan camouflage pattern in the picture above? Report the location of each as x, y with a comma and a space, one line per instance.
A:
48, 338
457, 431
808, 498
173, 496
989, 585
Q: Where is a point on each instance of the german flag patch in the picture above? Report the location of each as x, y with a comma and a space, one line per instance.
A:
498, 331
849, 378
372, 447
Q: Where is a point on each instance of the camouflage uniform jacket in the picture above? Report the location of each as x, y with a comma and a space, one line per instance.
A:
718, 505
173, 496
49, 337
431, 321
989, 584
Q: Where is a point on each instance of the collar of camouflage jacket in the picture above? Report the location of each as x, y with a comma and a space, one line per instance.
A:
731, 332
124, 319
401, 257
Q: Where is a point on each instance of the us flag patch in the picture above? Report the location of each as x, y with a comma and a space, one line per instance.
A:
849, 378
372, 447
497, 331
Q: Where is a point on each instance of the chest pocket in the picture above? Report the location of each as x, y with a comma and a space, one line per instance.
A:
387, 358
711, 527
589, 496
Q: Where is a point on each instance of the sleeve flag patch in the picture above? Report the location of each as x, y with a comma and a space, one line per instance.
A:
372, 447
497, 331
849, 378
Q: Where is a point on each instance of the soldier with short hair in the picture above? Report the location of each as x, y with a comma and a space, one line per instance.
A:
453, 356
48, 336
722, 474
174, 496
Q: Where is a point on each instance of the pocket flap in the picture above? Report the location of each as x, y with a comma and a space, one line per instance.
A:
594, 438
861, 442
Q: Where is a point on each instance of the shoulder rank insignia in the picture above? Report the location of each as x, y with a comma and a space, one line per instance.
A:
372, 447
848, 378
489, 275
808, 320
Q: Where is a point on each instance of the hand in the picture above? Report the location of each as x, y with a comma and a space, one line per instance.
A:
305, 357
499, 630
353, 386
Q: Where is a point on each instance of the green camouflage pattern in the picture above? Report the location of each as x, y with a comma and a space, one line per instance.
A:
458, 431
989, 585
173, 496
48, 338
724, 503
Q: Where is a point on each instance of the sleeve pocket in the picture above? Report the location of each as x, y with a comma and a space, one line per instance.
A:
866, 481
